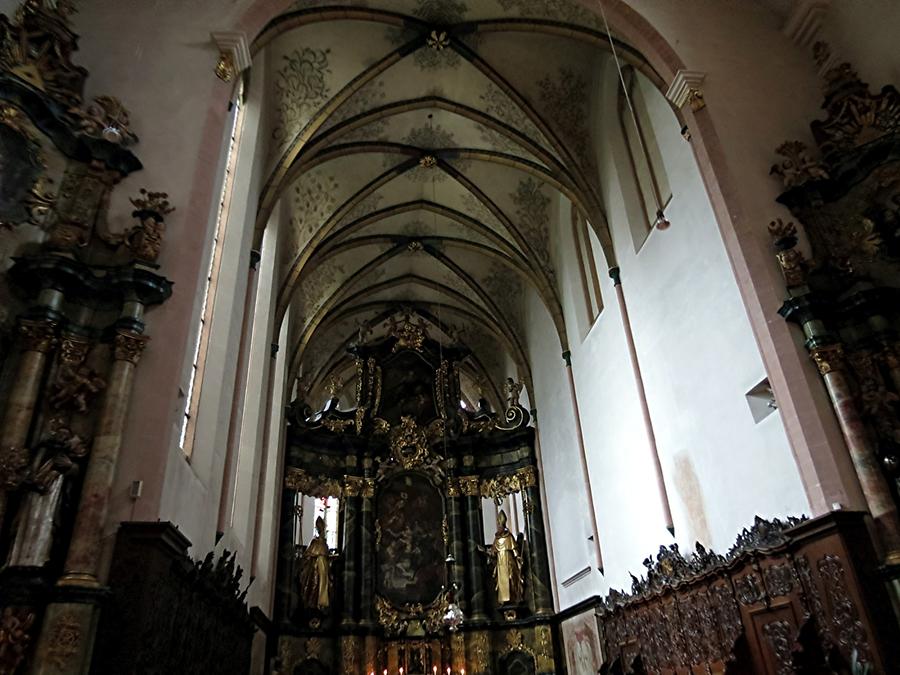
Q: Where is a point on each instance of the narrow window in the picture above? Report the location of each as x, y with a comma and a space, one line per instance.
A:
328, 509
650, 179
198, 362
587, 267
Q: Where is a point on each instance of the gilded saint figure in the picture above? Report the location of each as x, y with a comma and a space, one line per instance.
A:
507, 564
315, 572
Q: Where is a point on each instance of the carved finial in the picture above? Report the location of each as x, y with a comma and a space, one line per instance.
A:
409, 334
155, 202
797, 167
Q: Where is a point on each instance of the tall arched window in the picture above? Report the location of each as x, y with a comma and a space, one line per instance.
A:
587, 266
651, 182
201, 343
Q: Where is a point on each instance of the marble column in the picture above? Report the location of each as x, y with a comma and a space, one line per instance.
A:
67, 634
474, 544
538, 563
350, 507
831, 363
367, 550
38, 340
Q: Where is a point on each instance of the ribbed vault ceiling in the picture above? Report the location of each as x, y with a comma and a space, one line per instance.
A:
420, 150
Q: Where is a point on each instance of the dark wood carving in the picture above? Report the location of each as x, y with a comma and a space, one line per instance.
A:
787, 598
169, 614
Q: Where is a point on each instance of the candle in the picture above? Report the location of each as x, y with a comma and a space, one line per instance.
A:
434, 670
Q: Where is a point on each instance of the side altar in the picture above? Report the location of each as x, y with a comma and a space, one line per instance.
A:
414, 579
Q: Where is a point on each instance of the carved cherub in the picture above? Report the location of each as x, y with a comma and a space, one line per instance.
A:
75, 387
513, 392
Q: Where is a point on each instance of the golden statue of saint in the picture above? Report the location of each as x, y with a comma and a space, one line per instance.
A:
315, 571
507, 561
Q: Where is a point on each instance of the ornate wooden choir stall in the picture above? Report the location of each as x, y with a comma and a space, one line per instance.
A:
411, 469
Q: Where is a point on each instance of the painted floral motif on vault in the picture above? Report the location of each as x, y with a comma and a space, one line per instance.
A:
564, 101
301, 87
533, 218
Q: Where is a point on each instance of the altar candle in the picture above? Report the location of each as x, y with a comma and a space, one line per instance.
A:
434, 670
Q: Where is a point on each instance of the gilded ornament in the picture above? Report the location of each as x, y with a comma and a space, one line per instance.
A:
409, 443
438, 40
37, 49
335, 386
128, 346
353, 486
73, 350
336, 425
106, 118
797, 167
314, 486
695, 99
794, 266
225, 68
453, 488
409, 334
396, 620
828, 358
145, 239
468, 486
15, 637
37, 336
506, 565
65, 638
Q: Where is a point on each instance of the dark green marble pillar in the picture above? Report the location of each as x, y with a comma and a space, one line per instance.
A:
366, 569
286, 575
538, 564
474, 556
457, 546
350, 557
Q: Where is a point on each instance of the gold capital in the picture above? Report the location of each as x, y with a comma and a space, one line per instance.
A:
129, 346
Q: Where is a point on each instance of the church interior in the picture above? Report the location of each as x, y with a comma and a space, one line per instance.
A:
420, 337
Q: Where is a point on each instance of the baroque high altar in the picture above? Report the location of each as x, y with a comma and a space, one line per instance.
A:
412, 470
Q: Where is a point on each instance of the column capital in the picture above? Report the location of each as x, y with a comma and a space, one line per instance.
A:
616, 275
128, 346
38, 335
828, 358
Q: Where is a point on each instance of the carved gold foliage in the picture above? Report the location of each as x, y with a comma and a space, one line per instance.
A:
797, 167
410, 334
313, 486
498, 487
409, 443
37, 336
336, 426
794, 265
129, 346
396, 619
107, 118
828, 358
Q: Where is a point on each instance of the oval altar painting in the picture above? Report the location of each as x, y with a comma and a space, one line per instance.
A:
410, 554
